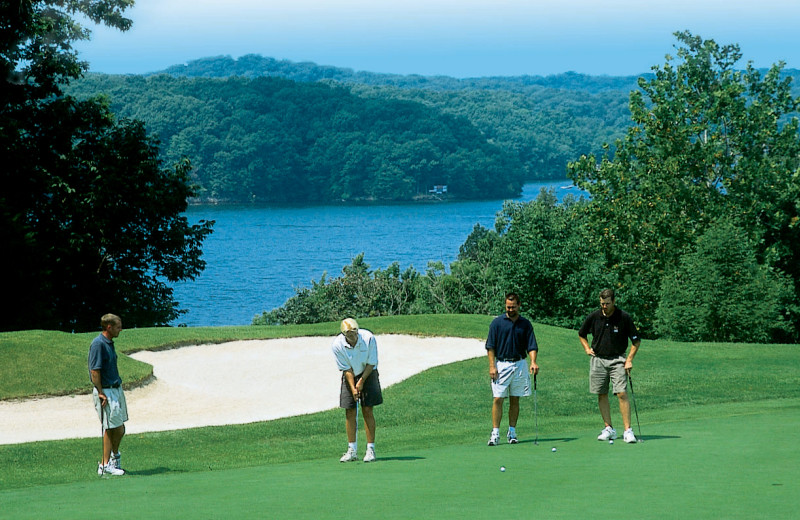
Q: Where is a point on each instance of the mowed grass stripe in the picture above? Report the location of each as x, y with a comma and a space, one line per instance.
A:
739, 461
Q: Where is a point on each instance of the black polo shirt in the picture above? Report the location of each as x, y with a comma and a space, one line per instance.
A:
609, 334
511, 340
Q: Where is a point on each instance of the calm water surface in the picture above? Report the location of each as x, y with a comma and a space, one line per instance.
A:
257, 256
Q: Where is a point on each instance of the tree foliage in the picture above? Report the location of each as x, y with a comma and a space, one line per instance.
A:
90, 217
275, 140
708, 141
720, 292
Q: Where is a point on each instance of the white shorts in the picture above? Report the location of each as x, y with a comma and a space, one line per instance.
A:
115, 412
513, 379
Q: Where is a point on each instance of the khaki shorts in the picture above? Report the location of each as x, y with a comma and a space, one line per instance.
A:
116, 411
602, 371
513, 379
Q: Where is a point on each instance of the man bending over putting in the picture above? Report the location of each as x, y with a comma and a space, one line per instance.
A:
510, 341
610, 327
109, 399
356, 356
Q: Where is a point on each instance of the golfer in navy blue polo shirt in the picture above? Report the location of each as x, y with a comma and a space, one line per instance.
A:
511, 340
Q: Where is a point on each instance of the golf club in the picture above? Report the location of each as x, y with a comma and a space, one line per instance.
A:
633, 398
357, 412
102, 441
535, 413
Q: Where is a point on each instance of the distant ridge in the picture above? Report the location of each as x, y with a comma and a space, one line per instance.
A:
253, 65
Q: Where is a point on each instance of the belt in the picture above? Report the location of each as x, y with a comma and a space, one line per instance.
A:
115, 385
510, 360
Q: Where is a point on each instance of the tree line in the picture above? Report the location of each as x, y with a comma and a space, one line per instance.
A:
275, 140
694, 219
249, 136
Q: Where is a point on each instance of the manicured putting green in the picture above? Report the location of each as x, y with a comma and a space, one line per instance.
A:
734, 466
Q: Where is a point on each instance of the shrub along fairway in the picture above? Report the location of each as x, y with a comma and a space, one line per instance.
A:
719, 424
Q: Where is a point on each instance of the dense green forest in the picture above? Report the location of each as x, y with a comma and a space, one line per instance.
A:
275, 140
319, 136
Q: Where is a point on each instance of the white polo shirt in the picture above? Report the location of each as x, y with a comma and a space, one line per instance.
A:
365, 352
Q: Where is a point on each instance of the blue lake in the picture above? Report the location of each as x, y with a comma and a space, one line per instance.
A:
257, 256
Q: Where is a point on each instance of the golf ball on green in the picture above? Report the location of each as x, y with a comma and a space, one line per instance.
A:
611, 441
502, 468
554, 449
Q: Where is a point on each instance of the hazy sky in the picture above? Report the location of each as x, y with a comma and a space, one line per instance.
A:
461, 38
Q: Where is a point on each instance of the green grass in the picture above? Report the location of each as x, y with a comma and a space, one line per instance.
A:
717, 418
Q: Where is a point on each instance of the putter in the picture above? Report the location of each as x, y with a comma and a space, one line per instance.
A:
535, 413
633, 398
357, 411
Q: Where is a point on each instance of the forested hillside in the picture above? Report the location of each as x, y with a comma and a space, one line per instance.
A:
253, 126
254, 66
275, 140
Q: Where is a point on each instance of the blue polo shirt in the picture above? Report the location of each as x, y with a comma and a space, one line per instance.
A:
103, 357
511, 340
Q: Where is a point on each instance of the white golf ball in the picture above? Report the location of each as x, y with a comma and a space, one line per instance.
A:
502, 468
554, 449
611, 441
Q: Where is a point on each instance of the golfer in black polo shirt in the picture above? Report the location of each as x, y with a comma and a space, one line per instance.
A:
510, 341
611, 328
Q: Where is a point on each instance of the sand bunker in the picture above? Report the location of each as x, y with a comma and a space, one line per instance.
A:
229, 383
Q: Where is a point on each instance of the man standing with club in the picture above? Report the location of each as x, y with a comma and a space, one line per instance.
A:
611, 328
510, 341
109, 399
356, 354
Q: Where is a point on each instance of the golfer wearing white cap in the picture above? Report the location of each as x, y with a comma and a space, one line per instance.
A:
357, 357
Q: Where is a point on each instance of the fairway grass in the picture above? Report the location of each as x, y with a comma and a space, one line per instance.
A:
719, 423
739, 461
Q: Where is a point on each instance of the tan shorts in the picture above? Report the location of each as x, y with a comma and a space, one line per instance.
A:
115, 412
602, 371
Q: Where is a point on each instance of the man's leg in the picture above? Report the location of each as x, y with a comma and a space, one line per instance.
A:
513, 411
625, 409
497, 411
115, 437
350, 424
369, 423
605, 408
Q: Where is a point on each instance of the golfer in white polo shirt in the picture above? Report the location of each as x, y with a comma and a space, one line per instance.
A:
356, 354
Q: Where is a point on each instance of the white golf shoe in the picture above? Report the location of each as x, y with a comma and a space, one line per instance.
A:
115, 460
349, 456
494, 439
108, 469
512, 438
608, 434
370, 455
628, 436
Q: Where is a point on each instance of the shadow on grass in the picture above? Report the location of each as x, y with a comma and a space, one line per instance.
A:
153, 471
549, 439
644, 438
402, 459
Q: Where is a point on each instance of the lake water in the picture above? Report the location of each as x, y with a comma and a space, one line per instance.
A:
257, 256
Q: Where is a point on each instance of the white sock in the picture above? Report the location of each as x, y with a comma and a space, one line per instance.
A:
371, 446
512, 429
496, 431
353, 446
